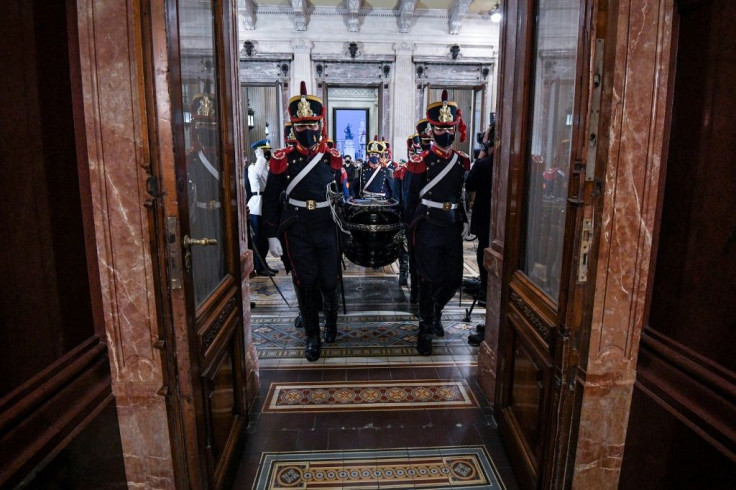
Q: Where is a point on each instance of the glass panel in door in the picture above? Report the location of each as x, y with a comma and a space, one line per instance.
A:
204, 167
548, 160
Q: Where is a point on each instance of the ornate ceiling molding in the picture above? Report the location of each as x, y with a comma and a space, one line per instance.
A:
299, 10
247, 12
457, 14
406, 13
354, 7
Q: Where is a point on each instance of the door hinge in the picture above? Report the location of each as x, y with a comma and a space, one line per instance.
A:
172, 243
586, 238
595, 111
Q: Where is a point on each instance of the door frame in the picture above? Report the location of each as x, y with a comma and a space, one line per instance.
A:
189, 354
561, 328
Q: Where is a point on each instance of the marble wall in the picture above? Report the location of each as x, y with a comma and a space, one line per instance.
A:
638, 77
111, 82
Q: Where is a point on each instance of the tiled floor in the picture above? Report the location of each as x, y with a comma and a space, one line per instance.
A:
385, 418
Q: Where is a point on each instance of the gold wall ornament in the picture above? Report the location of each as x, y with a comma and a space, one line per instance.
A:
205, 107
445, 113
304, 109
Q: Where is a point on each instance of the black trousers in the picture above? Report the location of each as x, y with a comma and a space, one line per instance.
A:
313, 254
438, 252
260, 242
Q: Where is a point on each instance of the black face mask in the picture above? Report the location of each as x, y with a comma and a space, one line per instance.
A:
425, 143
373, 159
267, 155
308, 138
444, 140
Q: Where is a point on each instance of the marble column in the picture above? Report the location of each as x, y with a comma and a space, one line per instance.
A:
638, 79
301, 68
116, 136
403, 100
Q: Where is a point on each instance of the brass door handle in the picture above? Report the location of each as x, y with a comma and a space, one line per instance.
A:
203, 242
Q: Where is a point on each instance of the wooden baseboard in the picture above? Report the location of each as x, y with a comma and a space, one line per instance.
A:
41, 417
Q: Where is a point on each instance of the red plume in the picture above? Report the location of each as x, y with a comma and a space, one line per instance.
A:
461, 126
444, 95
324, 122
375, 137
303, 89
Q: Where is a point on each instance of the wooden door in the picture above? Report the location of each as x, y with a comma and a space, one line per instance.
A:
549, 229
198, 232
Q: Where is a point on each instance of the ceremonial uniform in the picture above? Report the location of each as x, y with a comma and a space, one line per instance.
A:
424, 133
257, 175
204, 176
297, 210
374, 176
434, 207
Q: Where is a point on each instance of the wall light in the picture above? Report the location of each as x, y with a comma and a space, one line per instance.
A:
496, 13
251, 118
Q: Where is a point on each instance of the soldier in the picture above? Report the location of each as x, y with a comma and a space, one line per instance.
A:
289, 141
438, 221
418, 142
374, 177
289, 134
342, 180
204, 175
424, 131
257, 175
350, 172
398, 180
297, 212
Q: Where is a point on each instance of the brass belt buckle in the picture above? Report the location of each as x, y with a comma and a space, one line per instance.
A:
212, 205
446, 206
311, 204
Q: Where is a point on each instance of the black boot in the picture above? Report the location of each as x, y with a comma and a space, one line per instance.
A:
413, 294
329, 303
437, 327
424, 338
403, 268
476, 338
310, 316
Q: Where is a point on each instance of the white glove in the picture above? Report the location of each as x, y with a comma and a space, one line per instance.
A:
466, 230
274, 246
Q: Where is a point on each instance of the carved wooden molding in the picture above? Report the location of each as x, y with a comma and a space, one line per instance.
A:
209, 335
531, 316
70, 392
688, 385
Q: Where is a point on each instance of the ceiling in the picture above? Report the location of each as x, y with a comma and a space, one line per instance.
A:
476, 6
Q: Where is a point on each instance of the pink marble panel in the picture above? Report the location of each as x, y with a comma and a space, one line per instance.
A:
639, 79
109, 57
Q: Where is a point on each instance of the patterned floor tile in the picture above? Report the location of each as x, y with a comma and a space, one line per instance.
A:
359, 336
368, 395
467, 467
